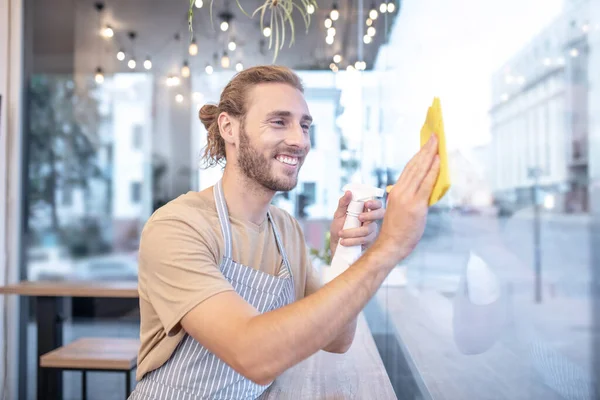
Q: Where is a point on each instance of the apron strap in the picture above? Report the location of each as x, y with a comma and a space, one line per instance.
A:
223, 217
286, 270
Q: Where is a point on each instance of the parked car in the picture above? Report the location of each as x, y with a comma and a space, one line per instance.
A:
48, 263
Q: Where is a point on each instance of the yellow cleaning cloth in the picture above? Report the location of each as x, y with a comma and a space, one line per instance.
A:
435, 124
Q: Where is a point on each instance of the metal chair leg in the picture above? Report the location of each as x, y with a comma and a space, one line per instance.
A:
83, 384
127, 384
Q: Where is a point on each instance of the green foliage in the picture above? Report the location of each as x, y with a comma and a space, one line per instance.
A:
278, 12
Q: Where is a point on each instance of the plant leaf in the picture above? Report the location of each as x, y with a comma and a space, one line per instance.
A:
241, 8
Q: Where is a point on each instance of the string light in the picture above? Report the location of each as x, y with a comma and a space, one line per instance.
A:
209, 69
369, 22
121, 55
173, 81
225, 62
391, 7
335, 14
331, 31
232, 46
574, 52
148, 63
383, 8
329, 39
107, 32
99, 77
333, 67
224, 26
179, 98
371, 31
199, 3
185, 70
337, 58
267, 31
367, 39
239, 67
373, 14
131, 64
328, 23
193, 48
310, 9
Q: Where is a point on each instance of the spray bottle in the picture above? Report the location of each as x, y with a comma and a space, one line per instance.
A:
346, 256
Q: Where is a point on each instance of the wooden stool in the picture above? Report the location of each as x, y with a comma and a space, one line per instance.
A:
95, 354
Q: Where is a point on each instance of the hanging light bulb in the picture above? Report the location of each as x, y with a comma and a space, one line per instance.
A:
373, 14
209, 69
225, 61
239, 67
367, 39
232, 46
391, 7
185, 70
224, 26
267, 31
369, 22
193, 48
329, 39
328, 23
148, 63
198, 3
99, 76
310, 9
121, 55
179, 98
107, 32
131, 64
383, 8
371, 31
337, 58
331, 31
335, 14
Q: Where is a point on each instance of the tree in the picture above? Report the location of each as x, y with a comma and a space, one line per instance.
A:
63, 141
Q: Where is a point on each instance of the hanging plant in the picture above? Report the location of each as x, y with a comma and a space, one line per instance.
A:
278, 12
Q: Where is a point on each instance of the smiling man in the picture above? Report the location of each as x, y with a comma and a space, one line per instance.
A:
228, 296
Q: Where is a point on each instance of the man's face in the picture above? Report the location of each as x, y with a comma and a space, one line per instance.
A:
274, 139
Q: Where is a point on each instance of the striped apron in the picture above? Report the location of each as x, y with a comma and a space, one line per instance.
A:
192, 372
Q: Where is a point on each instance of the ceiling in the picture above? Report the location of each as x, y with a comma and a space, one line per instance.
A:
65, 35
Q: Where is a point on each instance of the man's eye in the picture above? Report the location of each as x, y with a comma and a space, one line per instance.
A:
306, 127
279, 122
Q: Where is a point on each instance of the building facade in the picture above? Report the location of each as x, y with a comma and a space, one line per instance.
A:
539, 116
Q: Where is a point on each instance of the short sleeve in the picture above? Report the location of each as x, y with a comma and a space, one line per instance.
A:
179, 270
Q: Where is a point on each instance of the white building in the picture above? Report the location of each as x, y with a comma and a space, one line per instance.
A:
539, 117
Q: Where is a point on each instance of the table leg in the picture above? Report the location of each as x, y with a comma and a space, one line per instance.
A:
49, 337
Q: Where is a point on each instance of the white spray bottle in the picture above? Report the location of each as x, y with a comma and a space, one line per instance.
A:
346, 256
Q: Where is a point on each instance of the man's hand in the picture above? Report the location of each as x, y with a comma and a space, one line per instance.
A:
408, 202
366, 234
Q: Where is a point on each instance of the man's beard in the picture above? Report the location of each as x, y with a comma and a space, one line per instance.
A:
257, 167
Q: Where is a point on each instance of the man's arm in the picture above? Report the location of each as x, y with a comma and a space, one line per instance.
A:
262, 346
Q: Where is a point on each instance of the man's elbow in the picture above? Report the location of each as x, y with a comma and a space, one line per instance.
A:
340, 347
255, 370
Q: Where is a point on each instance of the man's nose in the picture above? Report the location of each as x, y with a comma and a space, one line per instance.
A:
297, 137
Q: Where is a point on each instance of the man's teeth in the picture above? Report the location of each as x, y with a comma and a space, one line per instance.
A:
287, 160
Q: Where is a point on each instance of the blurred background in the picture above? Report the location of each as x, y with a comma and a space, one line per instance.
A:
110, 132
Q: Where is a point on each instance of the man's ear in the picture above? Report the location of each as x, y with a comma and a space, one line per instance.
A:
227, 128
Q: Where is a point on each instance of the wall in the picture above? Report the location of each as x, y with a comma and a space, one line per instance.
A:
10, 77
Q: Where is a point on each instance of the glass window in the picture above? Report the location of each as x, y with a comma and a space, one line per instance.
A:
500, 297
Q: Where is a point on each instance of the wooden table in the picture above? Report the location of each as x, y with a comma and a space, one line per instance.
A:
48, 299
357, 374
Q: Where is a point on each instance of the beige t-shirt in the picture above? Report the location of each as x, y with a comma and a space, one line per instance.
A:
180, 254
